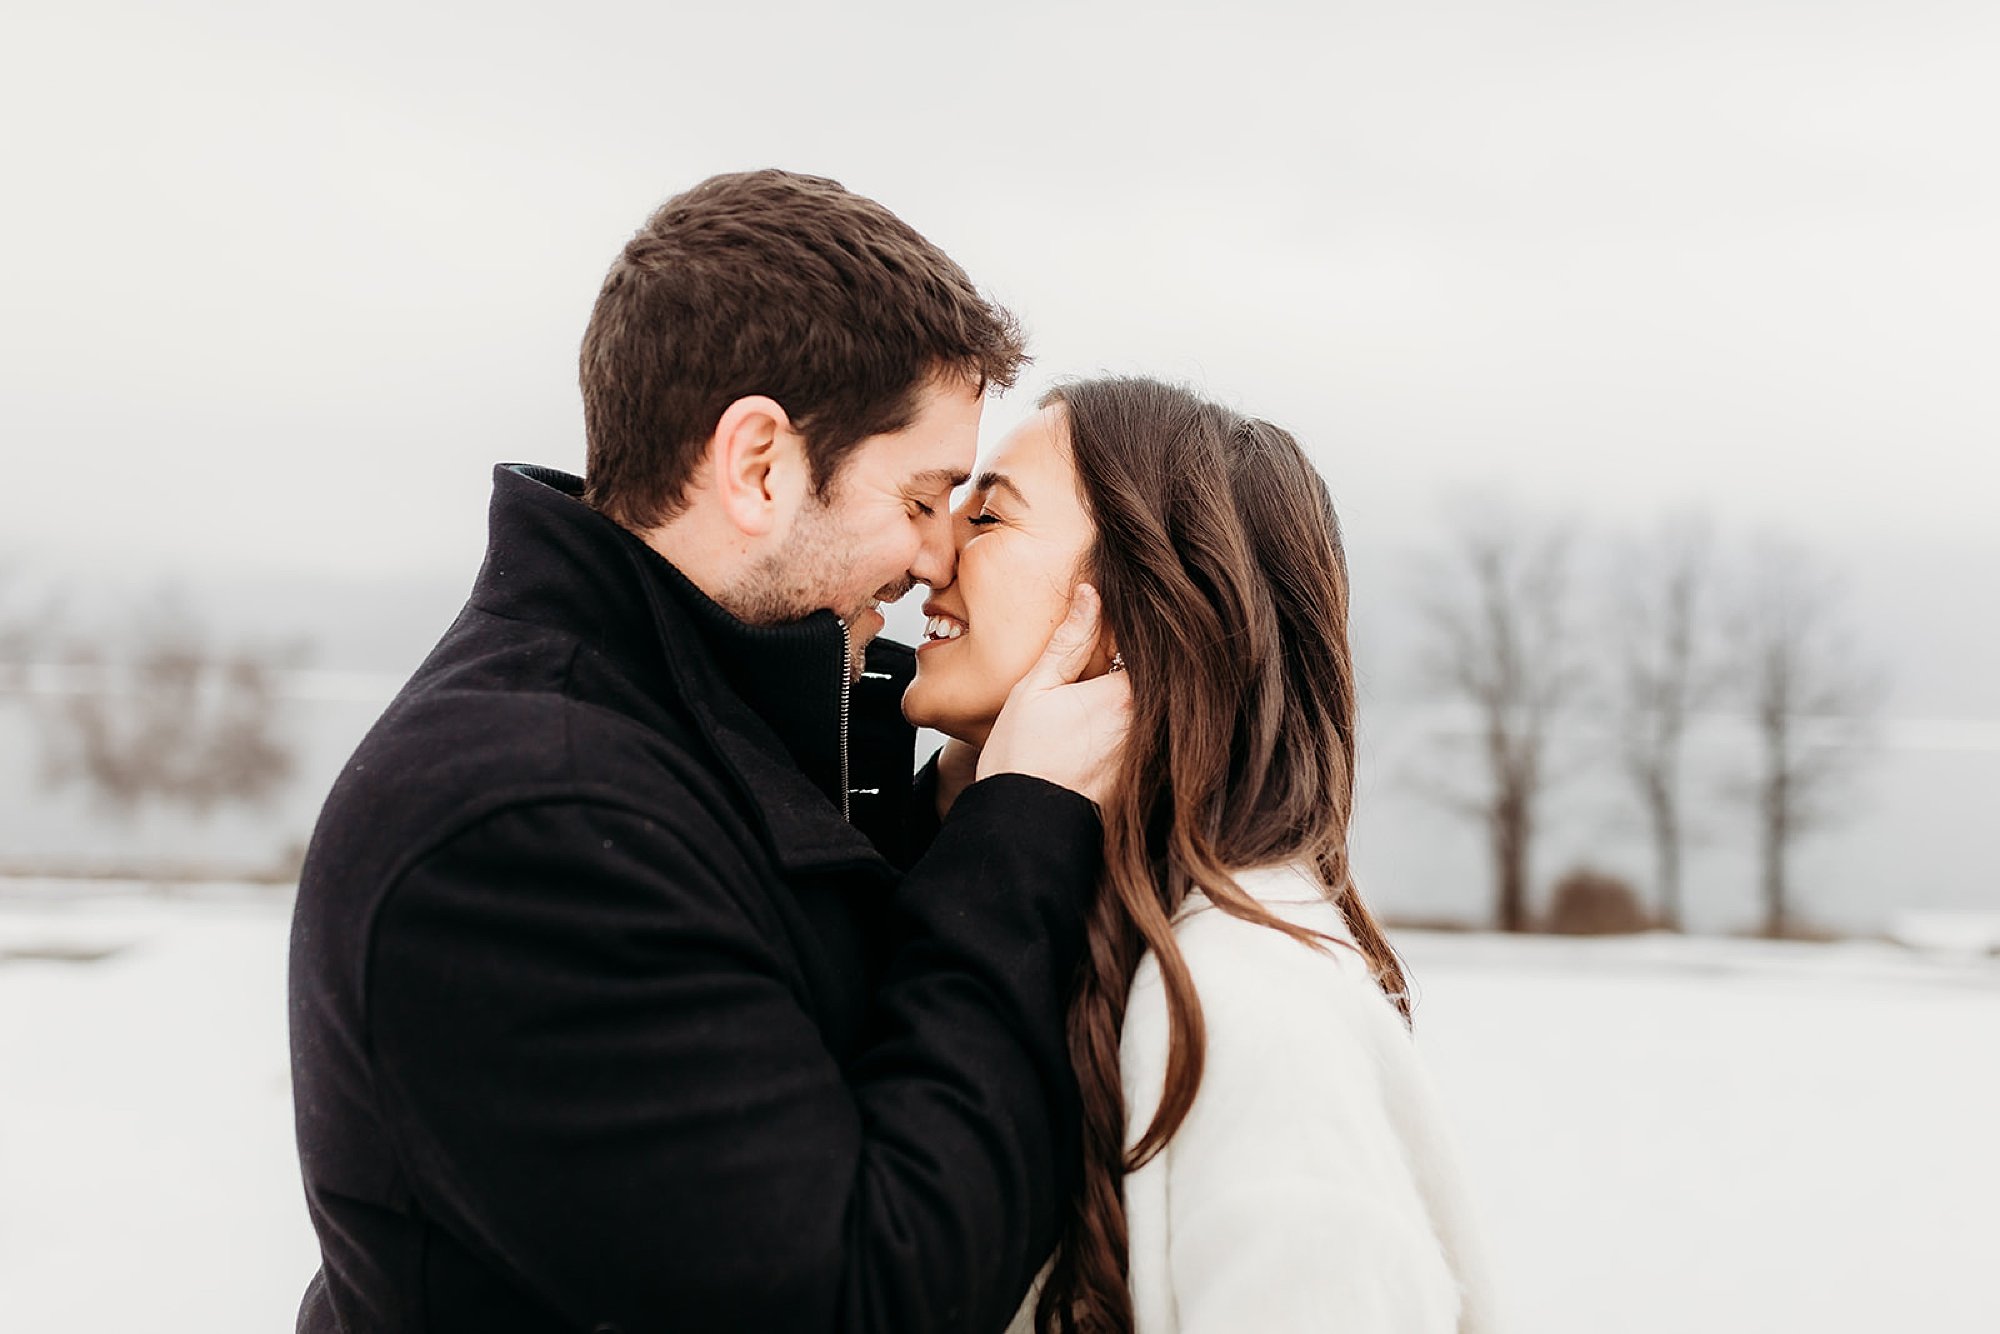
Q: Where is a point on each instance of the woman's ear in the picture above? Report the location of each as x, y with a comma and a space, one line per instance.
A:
1105, 650
757, 466
1103, 658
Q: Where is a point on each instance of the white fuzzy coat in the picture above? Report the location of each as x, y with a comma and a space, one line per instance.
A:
1314, 1185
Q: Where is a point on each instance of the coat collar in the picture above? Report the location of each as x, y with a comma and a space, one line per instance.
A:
767, 698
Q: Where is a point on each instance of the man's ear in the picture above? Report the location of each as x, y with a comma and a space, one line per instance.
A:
757, 465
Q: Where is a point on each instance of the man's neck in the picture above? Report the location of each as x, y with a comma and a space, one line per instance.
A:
712, 559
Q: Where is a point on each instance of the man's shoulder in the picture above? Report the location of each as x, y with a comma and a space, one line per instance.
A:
444, 745
502, 700
528, 784
473, 734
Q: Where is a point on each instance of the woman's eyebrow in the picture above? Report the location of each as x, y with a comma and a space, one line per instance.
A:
988, 481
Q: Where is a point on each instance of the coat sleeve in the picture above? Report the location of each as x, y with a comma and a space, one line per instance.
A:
1290, 1202
602, 1076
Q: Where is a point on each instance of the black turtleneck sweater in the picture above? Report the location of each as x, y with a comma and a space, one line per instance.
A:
605, 1017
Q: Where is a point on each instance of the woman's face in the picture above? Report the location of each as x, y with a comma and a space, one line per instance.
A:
1022, 534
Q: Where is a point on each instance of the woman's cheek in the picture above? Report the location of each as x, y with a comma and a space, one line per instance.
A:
1009, 651
993, 668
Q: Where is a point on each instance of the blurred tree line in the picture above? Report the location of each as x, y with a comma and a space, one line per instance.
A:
1572, 658
158, 710
1604, 658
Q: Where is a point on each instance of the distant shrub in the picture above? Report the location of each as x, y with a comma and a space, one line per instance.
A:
1591, 903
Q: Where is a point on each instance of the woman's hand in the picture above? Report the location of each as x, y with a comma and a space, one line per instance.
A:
1056, 726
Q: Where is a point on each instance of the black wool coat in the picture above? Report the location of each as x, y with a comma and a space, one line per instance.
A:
605, 1018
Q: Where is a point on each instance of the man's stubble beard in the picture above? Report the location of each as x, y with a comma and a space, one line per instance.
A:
780, 587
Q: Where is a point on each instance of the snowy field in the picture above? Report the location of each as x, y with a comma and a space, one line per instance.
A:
1669, 1137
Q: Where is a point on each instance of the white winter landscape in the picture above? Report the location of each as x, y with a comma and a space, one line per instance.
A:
1669, 1136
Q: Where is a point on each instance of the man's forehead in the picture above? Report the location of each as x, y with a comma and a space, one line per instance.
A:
940, 479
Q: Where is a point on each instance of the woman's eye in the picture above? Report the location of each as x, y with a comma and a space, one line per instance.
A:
981, 520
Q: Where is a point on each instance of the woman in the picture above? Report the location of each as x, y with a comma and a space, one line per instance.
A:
1261, 1148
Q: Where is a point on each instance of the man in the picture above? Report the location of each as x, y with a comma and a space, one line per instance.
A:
606, 1012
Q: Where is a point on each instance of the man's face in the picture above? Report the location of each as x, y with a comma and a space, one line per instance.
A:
884, 525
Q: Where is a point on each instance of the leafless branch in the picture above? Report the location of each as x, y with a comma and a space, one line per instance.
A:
168, 715
1497, 613
1666, 669
1810, 695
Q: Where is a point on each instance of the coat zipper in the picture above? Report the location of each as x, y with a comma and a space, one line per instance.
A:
846, 702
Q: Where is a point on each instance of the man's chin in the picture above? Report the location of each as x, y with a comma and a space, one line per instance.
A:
864, 627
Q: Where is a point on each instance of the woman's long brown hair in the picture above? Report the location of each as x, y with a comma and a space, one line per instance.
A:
1219, 560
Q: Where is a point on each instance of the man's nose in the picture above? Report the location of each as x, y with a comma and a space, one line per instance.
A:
937, 552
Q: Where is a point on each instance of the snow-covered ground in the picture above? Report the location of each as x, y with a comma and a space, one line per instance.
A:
1668, 1136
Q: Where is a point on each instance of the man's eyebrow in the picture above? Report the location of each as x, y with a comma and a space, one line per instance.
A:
990, 480
939, 479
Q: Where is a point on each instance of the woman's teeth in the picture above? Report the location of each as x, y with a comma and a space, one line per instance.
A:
943, 627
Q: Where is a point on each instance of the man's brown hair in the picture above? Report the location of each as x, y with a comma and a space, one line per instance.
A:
769, 282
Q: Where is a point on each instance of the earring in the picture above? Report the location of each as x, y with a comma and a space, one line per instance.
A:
1117, 662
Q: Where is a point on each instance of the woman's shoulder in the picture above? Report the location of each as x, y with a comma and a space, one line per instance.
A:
1248, 972
1212, 938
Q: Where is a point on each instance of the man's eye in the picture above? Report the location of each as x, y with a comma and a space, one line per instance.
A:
924, 509
982, 519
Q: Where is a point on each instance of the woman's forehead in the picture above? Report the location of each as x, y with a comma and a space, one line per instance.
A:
1034, 451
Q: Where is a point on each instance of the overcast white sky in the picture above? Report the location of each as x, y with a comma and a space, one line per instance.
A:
281, 281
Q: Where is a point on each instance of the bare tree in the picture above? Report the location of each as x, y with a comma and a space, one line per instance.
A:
1666, 670
177, 718
1810, 696
1498, 638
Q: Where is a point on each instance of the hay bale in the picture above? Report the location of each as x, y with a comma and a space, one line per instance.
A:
1593, 903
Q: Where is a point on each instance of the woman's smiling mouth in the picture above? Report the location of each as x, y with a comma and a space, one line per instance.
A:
940, 629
